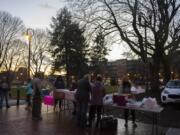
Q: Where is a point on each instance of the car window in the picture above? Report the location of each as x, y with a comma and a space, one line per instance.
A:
173, 84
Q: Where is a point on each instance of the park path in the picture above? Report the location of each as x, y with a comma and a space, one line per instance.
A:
17, 121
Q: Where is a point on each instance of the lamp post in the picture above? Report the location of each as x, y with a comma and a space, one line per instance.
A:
29, 34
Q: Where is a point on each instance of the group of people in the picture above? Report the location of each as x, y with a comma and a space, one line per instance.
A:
33, 91
92, 91
89, 91
34, 96
89, 95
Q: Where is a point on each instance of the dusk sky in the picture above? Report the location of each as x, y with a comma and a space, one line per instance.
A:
38, 14
34, 13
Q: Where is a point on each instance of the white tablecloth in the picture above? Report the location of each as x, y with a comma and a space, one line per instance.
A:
69, 95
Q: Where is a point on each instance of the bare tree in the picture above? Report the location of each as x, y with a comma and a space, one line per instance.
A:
40, 56
14, 56
10, 29
151, 28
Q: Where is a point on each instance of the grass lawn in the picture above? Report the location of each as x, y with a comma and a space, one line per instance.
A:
14, 91
111, 89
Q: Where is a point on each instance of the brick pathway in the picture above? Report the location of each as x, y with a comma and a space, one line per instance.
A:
17, 121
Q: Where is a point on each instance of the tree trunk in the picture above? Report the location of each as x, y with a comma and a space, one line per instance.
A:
154, 75
67, 64
67, 76
166, 68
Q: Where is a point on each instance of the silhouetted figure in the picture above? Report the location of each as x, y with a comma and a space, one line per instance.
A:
29, 91
4, 92
74, 86
97, 94
37, 98
82, 97
59, 84
126, 89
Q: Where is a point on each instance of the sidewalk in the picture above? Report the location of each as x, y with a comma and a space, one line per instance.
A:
13, 102
17, 121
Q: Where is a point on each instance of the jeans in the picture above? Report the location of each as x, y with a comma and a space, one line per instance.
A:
95, 109
74, 109
36, 107
58, 101
28, 99
81, 113
126, 114
4, 94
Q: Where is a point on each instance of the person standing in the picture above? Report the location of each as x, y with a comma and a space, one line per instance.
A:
97, 94
59, 84
29, 90
4, 88
37, 98
82, 97
73, 87
126, 89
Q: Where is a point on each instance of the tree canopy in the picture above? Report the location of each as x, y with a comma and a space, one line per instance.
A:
69, 45
10, 29
99, 51
150, 28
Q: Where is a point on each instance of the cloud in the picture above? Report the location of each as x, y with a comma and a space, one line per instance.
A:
46, 6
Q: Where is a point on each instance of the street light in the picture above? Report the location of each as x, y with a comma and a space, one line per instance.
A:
29, 34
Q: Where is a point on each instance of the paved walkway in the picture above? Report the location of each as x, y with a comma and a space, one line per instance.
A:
17, 121
13, 102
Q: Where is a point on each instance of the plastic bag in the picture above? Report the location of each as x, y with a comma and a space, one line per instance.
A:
149, 102
108, 99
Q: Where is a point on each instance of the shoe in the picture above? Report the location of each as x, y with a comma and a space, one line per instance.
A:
125, 125
36, 118
28, 108
7, 106
134, 125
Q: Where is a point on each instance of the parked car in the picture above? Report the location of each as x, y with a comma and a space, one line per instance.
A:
171, 92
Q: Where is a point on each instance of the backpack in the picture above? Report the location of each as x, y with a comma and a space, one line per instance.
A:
4, 86
108, 123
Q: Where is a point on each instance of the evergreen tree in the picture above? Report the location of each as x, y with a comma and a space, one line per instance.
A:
69, 47
98, 53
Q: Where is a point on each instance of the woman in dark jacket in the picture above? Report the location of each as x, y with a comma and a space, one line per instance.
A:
97, 94
4, 92
73, 87
126, 89
82, 99
59, 84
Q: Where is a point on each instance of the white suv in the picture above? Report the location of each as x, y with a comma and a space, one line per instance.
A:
171, 92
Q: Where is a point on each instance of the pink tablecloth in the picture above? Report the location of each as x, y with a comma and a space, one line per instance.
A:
68, 95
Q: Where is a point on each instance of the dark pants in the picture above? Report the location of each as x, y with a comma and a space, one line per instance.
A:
58, 101
28, 100
126, 114
81, 113
74, 108
36, 107
4, 94
95, 109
